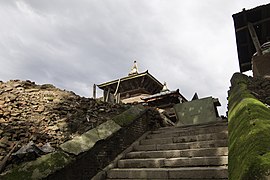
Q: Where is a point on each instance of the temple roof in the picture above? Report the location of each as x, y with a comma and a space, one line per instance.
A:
141, 80
260, 19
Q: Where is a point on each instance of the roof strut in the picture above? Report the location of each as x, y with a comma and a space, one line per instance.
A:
254, 38
115, 93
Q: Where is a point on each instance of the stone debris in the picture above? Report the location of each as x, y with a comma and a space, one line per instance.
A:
42, 114
260, 88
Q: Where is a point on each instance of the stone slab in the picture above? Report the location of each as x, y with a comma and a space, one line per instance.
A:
173, 162
150, 173
157, 141
107, 128
221, 151
199, 172
81, 143
141, 163
193, 145
196, 111
129, 115
87, 140
188, 132
170, 173
196, 161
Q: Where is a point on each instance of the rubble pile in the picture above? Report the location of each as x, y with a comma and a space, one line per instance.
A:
44, 114
260, 87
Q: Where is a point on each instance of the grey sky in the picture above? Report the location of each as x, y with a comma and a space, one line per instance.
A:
74, 44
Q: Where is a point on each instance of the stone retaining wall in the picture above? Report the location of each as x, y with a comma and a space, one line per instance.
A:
249, 137
84, 156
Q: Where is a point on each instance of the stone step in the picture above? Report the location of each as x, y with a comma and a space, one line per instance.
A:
170, 178
173, 162
220, 151
200, 137
181, 146
188, 127
169, 173
189, 132
207, 124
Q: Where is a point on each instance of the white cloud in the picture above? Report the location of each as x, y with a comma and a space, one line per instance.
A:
74, 44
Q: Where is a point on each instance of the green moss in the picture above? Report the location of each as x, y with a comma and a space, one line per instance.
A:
129, 115
249, 137
40, 168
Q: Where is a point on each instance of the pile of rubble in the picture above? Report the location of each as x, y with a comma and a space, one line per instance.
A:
260, 87
44, 117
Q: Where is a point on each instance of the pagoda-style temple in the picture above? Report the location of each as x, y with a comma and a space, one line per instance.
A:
132, 88
165, 100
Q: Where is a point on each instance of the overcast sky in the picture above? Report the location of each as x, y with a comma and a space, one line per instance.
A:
73, 44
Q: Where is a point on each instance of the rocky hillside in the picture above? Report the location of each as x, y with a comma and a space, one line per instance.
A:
44, 114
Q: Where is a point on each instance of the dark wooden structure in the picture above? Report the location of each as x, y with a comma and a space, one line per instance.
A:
165, 100
131, 88
259, 18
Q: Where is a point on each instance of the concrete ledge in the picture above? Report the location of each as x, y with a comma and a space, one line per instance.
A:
249, 127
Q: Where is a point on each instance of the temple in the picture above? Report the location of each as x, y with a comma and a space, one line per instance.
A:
140, 88
131, 88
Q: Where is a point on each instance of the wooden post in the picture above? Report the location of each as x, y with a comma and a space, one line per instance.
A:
119, 98
94, 91
254, 38
108, 95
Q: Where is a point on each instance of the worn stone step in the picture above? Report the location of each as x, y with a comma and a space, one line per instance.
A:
194, 126
181, 146
206, 124
170, 173
170, 178
173, 162
200, 137
220, 151
189, 132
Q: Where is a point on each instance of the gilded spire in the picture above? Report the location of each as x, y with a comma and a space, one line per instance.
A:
165, 88
134, 69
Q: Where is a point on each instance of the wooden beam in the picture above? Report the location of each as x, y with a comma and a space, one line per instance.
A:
142, 81
107, 95
255, 39
135, 91
94, 91
255, 24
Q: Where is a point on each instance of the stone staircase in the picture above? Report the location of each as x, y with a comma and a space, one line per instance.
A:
187, 152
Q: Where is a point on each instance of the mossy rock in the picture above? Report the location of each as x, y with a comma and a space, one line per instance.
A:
80, 144
128, 116
249, 137
40, 168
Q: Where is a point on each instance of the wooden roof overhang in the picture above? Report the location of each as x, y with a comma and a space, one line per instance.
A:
259, 17
165, 94
142, 82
